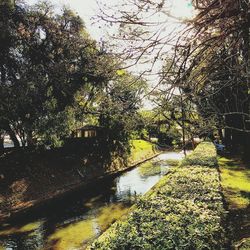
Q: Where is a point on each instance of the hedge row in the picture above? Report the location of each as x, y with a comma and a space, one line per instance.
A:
183, 211
204, 155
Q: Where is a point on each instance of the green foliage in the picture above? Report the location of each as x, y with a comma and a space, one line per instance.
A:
55, 127
149, 169
119, 111
183, 211
204, 155
139, 134
144, 134
161, 125
149, 122
172, 162
45, 58
170, 137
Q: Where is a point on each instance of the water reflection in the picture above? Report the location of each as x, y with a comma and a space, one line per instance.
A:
76, 220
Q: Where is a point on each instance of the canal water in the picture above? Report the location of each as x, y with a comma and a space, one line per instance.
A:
74, 221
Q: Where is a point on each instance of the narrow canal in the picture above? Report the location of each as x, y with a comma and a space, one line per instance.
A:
76, 220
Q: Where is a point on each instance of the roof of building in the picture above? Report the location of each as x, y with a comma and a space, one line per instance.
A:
90, 127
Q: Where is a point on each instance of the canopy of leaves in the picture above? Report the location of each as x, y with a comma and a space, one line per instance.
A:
45, 58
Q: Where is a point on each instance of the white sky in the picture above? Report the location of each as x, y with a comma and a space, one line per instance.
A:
87, 9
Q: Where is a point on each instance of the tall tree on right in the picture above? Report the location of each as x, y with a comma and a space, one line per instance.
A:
209, 62
222, 32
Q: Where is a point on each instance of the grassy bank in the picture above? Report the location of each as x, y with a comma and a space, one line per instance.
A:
140, 150
235, 179
183, 211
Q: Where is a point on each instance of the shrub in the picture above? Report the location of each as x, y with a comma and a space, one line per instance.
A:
204, 155
172, 162
170, 137
183, 211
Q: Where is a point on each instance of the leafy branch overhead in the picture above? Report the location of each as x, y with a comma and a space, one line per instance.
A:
52, 74
204, 62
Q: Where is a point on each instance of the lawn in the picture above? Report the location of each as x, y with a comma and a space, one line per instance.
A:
235, 180
140, 150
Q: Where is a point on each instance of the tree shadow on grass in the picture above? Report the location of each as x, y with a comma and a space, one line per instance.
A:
245, 195
239, 224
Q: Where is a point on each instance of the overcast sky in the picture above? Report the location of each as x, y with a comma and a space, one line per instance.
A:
87, 9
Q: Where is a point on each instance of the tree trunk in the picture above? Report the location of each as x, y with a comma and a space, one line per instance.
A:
183, 125
237, 133
12, 135
221, 135
228, 134
30, 140
228, 138
1, 143
193, 142
246, 53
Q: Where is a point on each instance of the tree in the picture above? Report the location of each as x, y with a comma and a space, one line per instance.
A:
45, 59
119, 110
209, 58
223, 90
